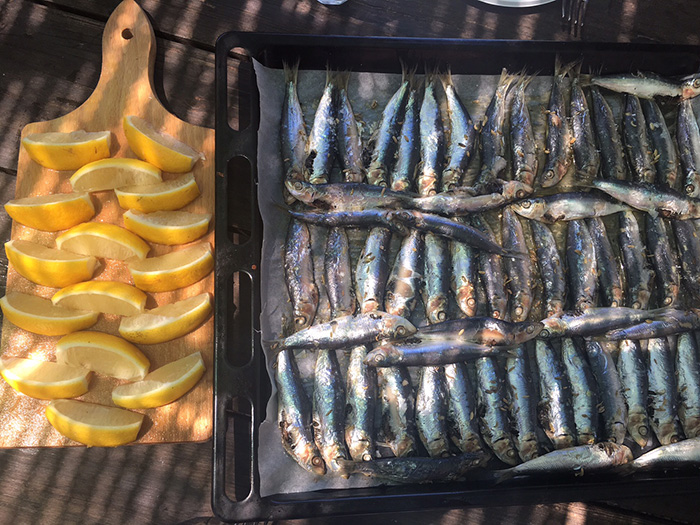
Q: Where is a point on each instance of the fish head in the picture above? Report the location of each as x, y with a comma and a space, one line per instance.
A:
396, 327
505, 451
301, 191
690, 88
402, 218
533, 208
514, 189
619, 454
552, 327
526, 331
529, 449
384, 354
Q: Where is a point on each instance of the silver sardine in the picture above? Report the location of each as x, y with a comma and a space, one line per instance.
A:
299, 274
398, 410
636, 141
664, 260
581, 266
567, 207
321, 146
612, 156
521, 283
431, 412
329, 409
522, 138
638, 273
462, 139
350, 146
584, 400
493, 133
586, 156
655, 200
609, 269
406, 276
338, 272
559, 139
631, 365
663, 146
372, 270
361, 395
462, 420
551, 269
663, 401
688, 381
432, 142
492, 274
523, 404
292, 129
649, 85
403, 175
555, 412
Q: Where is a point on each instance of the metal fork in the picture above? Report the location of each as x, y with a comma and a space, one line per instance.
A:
573, 13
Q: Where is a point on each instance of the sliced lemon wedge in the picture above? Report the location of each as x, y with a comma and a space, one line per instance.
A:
49, 266
103, 240
108, 297
169, 195
51, 213
67, 151
44, 379
162, 386
107, 174
167, 227
166, 322
102, 353
41, 316
93, 425
173, 270
160, 149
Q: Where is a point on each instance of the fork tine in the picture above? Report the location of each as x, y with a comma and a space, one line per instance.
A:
564, 10
581, 14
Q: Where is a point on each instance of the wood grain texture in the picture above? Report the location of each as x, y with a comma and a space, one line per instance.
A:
125, 87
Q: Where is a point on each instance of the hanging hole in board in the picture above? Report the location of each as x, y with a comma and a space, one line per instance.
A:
127, 34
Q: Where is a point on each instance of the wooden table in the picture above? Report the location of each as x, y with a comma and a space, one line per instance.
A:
49, 63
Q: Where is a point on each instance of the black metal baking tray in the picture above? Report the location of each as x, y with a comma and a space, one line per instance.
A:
241, 383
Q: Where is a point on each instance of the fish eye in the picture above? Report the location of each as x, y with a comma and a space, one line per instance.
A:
400, 330
520, 194
530, 329
526, 204
696, 83
378, 358
300, 320
298, 185
544, 333
471, 302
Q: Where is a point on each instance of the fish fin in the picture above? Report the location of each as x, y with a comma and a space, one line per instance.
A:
446, 79
342, 79
499, 476
291, 71
345, 467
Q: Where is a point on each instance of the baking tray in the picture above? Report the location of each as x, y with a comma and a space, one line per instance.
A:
241, 382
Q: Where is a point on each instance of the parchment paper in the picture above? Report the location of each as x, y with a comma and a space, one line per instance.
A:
369, 93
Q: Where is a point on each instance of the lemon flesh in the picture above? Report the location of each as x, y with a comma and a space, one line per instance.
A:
160, 149
103, 240
162, 386
41, 316
67, 151
107, 174
173, 270
166, 322
93, 425
102, 353
166, 196
168, 227
44, 379
108, 297
51, 213
49, 266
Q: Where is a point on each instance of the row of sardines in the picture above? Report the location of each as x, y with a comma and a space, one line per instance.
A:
496, 314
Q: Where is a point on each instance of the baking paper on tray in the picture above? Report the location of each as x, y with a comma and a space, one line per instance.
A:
369, 93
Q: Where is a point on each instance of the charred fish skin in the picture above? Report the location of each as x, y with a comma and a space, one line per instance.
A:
293, 130
559, 148
594, 321
636, 141
684, 454
492, 138
432, 142
586, 156
462, 421
568, 206
523, 404
583, 392
551, 269
406, 276
688, 243
688, 137
436, 275
555, 412
366, 218
631, 365
431, 412
361, 392
429, 352
581, 266
403, 174
341, 292
612, 402
524, 146
299, 274
610, 272
398, 410
294, 416
663, 145
372, 270
321, 145
464, 276
663, 403
664, 260
612, 156
520, 278
652, 199
386, 137
576, 460
637, 270
484, 330
463, 138
492, 275
688, 381
329, 409
348, 134
492, 408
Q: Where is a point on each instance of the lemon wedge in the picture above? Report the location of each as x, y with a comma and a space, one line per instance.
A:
108, 297
107, 174
167, 227
41, 316
52, 212
173, 270
158, 148
67, 151
169, 195
162, 386
93, 425
166, 322
102, 353
49, 266
103, 240
44, 379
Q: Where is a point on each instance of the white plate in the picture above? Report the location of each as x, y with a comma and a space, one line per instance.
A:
516, 3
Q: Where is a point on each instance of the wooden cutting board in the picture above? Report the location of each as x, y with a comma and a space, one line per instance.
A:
125, 88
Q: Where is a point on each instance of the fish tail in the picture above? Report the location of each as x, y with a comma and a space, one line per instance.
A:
412, 79
499, 476
446, 79
345, 467
342, 79
291, 71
